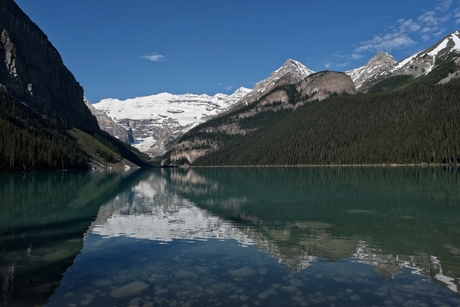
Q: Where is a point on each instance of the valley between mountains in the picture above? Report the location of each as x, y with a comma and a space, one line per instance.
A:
381, 113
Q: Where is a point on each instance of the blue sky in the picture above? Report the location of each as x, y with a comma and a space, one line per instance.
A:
123, 49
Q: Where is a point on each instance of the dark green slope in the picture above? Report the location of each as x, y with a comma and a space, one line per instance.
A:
30, 141
413, 125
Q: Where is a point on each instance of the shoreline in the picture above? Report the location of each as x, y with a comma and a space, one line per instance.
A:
422, 165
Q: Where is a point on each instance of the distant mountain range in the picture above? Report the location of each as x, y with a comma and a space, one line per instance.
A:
156, 122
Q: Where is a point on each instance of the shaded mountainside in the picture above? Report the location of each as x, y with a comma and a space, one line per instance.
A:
30, 141
44, 123
33, 71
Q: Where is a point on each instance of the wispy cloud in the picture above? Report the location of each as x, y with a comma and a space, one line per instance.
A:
405, 32
444, 5
154, 57
387, 42
457, 15
226, 86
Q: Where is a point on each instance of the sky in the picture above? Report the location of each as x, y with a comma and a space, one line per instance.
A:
125, 49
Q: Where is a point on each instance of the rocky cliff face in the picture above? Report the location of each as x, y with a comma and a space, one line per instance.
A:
321, 85
33, 71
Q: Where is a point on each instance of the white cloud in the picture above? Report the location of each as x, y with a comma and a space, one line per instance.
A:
444, 5
343, 64
387, 42
428, 18
154, 57
405, 32
226, 86
408, 25
457, 15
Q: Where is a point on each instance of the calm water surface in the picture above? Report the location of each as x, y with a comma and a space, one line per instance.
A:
232, 237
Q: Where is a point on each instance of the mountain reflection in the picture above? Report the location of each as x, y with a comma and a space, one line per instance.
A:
43, 217
390, 218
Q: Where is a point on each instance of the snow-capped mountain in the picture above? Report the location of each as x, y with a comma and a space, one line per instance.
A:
381, 62
423, 62
382, 65
159, 119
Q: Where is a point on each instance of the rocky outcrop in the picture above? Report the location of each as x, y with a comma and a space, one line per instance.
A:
32, 70
321, 85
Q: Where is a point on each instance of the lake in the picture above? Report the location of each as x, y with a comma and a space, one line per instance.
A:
313, 236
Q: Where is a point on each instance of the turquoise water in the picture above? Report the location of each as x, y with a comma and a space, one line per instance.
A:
232, 237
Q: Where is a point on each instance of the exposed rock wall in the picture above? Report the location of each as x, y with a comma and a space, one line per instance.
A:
33, 71
321, 85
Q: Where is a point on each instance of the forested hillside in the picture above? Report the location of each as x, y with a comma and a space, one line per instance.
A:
35, 142
418, 124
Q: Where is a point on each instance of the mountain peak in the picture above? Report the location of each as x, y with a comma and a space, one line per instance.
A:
241, 91
379, 63
450, 43
295, 68
381, 57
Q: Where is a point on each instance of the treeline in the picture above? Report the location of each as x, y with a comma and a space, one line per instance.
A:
31, 142
410, 126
